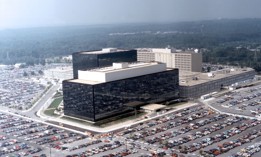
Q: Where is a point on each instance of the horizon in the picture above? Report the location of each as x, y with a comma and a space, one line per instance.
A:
49, 13
122, 24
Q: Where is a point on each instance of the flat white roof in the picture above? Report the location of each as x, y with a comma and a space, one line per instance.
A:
103, 51
130, 66
164, 50
186, 78
120, 71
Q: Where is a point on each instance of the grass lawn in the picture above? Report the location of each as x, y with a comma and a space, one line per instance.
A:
55, 103
50, 112
57, 94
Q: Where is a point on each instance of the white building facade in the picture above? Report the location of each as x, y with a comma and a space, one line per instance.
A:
183, 60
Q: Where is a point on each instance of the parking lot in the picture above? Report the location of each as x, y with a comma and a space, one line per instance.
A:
24, 137
245, 101
17, 88
20, 88
190, 132
19, 94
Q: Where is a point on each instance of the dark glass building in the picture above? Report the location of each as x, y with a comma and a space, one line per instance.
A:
101, 58
101, 100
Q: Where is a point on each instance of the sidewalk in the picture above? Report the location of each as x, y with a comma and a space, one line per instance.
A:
114, 127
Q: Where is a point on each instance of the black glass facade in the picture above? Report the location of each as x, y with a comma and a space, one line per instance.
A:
84, 61
95, 102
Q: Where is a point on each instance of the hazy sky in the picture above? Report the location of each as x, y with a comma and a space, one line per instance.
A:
30, 13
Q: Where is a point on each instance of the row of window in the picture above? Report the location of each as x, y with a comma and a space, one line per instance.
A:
105, 99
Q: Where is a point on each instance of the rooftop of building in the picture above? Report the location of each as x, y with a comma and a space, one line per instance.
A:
118, 71
122, 66
195, 78
102, 51
166, 50
81, 81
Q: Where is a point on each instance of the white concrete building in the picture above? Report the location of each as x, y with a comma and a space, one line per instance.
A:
183, 60
61, 73
120, 71
145, 55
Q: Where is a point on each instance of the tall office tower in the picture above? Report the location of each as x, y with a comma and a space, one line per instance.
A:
103, 92
101, 58
183, 60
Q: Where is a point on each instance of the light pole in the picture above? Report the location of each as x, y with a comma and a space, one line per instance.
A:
126, 144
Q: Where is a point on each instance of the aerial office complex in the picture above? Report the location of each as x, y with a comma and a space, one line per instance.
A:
98, 92
102, 92
193, 83
101, 58
183, 60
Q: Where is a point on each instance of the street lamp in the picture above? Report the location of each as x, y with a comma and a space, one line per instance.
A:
126, 144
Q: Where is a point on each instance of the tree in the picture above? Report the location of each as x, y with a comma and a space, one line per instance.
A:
40, 72
42, 62
22, 66
208, 69
25, 74
201, 152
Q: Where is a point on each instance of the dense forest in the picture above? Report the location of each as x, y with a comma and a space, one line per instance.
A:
236, 42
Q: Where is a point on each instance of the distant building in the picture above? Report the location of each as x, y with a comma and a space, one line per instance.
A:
67, 59
183, 60
61, 73
2, 66
101, 58
103, 92
18, 65
59, 59
194, 85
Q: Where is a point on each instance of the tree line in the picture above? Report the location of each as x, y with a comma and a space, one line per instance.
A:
219, 37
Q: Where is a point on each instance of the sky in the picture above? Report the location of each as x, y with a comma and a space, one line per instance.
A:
38, 13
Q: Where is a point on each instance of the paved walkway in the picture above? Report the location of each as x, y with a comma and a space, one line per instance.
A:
117, 126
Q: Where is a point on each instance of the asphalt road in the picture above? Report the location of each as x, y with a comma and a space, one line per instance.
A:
43, 102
